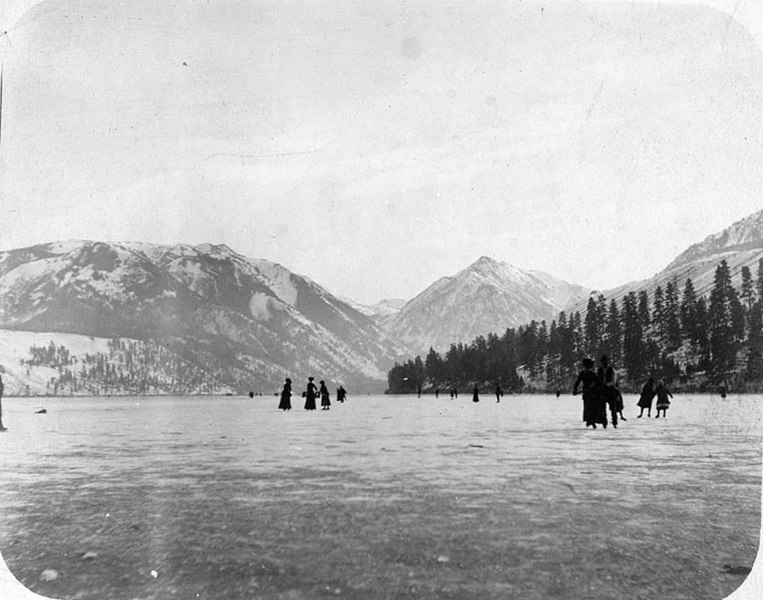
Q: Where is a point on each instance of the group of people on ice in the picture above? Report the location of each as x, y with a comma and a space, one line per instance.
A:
311, 394
600, 391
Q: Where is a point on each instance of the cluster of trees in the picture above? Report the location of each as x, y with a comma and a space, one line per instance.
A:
49, 356
685, 338
129, 367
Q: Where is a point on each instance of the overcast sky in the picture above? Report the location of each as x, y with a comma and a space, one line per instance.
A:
378, 146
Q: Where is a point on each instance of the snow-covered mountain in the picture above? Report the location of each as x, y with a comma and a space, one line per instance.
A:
383, 308
246, 323
488, 296
740, 245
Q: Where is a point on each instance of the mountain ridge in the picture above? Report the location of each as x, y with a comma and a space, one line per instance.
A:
486, 296
259, 321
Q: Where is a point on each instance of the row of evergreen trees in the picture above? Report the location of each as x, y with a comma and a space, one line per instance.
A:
129, 367
687, 339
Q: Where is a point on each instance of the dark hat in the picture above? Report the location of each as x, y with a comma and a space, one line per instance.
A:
587, 362
288, 380
604, 358
322, 381
310, 378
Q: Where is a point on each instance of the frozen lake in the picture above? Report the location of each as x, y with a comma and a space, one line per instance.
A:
382, 497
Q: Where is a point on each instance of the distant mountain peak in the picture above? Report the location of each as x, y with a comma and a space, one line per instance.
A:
485, 261
487, 296
209, 248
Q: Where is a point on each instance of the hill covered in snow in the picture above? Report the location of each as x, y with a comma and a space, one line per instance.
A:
487, 296
246, 323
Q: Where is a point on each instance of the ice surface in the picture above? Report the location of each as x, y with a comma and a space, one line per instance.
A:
381, 497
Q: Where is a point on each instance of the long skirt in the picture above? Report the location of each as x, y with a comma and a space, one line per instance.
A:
285, 403
662, 403
594, 409
310, 402
646, 401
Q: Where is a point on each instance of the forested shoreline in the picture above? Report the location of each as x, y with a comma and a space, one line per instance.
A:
695, 343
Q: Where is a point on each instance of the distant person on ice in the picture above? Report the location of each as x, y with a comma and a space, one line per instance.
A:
645, 401
663, 403
612, 395
325, 400
476, 394
498, 392
341, 394
594, 406
285, 403
310, 394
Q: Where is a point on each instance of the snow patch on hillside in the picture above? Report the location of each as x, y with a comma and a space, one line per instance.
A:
259, 307
278, 279
14, 347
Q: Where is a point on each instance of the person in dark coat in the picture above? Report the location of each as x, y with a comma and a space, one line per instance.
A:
285, 403
663, 403
325, 401
498, 392
341, 394
645, 401
310, 394
612, 397
594, 405
476, 394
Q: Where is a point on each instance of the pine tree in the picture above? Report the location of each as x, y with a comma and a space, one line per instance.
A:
722, 320
433, 366
671, 318
688, 310
614, 333
592, 333
634, 350
576, 334
658, 313
643, 309
748, 288
703, 329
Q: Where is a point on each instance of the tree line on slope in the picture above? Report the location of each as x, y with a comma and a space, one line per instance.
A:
129, 367
694, 342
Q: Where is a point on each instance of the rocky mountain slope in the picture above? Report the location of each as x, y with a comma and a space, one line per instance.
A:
488, 296
246, 323
740, 245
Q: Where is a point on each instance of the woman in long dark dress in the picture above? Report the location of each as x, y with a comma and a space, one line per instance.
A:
647, 396
325, 401
594, 404
310, 394
285, 403
662, 399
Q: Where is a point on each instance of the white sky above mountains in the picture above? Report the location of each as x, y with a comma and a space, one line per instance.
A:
378, 146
